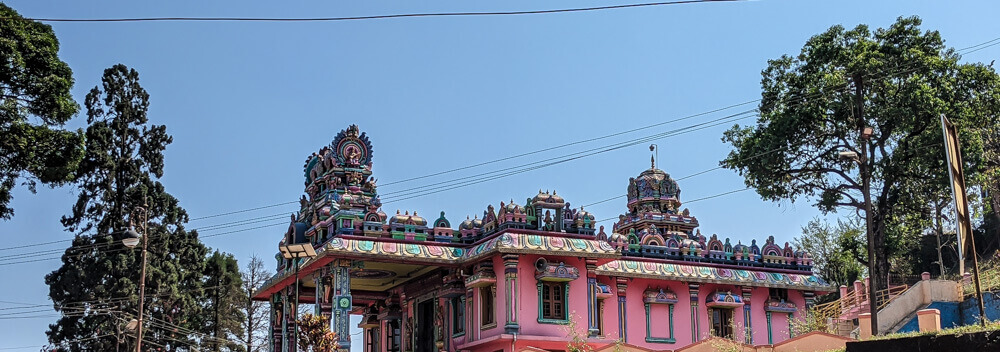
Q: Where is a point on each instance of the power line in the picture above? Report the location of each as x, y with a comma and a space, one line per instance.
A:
691, 201
413, 193
242, 211
571, 143
465, 183
372, 17
584, 153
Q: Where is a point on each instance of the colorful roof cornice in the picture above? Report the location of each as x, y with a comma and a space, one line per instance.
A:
711, 274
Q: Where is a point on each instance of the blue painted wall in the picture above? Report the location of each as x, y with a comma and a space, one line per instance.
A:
970, 310
950, 316
957, 314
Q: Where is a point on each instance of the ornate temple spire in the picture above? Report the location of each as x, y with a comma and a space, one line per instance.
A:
652, 159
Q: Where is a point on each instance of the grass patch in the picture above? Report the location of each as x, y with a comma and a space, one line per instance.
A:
959, 330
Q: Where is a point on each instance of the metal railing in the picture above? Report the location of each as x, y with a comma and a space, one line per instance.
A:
833, 316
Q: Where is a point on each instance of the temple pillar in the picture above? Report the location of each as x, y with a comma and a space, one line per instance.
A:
592, 304
471, 332
439, 324
277, 321
622, 285
747, 331
324, 295
288, 321
340, 319
770, 337
512, 295
407, 320
695, 321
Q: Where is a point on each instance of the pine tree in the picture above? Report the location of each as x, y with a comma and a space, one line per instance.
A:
222, 303
96, 289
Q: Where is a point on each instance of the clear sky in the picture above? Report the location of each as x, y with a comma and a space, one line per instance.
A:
247, 102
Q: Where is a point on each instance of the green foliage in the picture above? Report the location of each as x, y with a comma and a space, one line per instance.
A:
958, 330
808, 322
577, 342
315, 334
222, 303
808, 114
830, 248
96, 288
34, 85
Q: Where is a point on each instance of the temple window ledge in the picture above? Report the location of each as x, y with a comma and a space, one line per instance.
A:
458, 334
553, 321
488, 326
660, 340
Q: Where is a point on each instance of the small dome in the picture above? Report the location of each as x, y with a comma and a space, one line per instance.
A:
689, 242
617, 237
513, 207
406, 218
548, 198
470, 224
653, 184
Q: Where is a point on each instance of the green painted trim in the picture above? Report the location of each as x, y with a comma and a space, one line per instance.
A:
659, 340
565, 319
670, 321
553, 321
670, 317
770, 338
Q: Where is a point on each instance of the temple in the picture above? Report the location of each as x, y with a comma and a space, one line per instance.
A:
520, 274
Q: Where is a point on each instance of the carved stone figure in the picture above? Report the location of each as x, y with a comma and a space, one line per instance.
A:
632, 190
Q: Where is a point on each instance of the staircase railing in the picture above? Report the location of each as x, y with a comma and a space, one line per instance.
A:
831, 316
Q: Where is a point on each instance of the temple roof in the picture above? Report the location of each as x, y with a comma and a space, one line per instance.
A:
341, 217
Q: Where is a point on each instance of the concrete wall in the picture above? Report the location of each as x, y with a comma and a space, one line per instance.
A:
920, 295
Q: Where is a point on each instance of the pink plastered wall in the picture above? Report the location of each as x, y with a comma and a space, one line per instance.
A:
779, 321
635, 315
577, 304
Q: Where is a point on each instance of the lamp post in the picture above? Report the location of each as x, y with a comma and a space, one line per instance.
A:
131, 239
295, 252
865, 173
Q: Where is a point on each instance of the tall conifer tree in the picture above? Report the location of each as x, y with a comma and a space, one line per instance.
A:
96, 289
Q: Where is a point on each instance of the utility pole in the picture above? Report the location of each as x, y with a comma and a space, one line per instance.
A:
865, 171
940, 232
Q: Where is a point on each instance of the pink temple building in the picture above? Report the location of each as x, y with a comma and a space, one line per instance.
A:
520, 273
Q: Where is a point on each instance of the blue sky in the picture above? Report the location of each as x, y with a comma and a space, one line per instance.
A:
247, 102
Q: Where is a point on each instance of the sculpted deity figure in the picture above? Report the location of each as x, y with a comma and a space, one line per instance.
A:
548, 220
438, 323
665, 188
353, 156
632, 190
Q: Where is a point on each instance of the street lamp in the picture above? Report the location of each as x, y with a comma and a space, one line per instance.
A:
865, 172
295, 252
130, 239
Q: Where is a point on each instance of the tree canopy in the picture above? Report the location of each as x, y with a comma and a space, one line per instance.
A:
827, 243
96, 288
34, 101
811, 111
